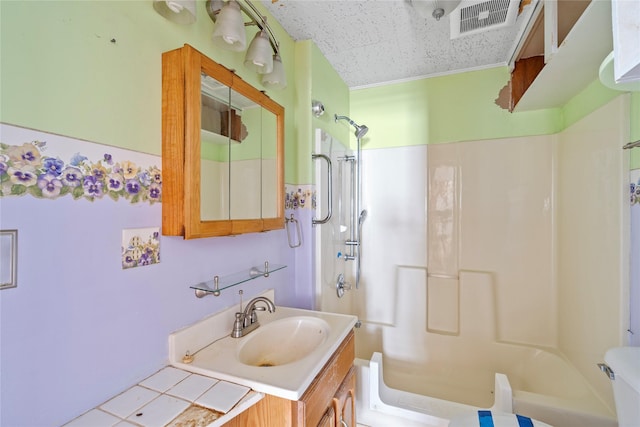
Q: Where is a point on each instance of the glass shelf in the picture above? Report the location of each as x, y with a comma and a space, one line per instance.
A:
220, 283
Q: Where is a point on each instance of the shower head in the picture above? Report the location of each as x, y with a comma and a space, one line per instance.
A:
360, 130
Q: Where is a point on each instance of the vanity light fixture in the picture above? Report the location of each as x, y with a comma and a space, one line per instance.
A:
259, 57
277, 78
178, 11
229, 34
228, 30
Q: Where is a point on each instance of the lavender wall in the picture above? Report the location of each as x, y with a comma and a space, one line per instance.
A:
79, 328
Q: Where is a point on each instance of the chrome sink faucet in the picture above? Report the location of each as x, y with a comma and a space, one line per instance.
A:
247, 320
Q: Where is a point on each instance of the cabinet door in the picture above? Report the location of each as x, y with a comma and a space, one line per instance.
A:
344, 401
271, 411
216, 181
314, 402
328, 419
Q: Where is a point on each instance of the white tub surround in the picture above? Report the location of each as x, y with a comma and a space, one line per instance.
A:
216, 354
502, 255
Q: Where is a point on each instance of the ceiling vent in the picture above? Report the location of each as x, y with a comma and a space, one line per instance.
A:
477, 16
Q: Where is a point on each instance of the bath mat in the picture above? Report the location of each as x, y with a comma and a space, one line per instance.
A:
486, 420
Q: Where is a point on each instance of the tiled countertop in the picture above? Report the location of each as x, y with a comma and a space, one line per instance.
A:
172, 397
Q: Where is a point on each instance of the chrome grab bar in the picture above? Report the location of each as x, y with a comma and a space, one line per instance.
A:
329, 189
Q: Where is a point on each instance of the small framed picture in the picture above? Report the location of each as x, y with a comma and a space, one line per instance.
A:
8, 258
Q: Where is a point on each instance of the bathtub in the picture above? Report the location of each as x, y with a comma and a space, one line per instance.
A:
440, 341
508, 378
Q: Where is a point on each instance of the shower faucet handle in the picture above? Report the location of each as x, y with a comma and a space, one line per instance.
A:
342, 286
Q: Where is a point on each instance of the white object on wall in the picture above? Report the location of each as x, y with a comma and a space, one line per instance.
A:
625, 15
607, 78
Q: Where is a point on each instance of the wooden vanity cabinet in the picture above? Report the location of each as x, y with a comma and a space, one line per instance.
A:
344, 402
328, 419
329, 400
312, 406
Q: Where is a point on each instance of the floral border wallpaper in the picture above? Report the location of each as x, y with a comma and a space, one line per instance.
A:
26, 169
91, 171
50, 166
299, 197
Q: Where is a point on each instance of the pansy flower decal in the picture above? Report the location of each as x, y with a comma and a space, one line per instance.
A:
25, 170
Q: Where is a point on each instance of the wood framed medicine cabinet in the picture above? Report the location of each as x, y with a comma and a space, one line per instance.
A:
222, 150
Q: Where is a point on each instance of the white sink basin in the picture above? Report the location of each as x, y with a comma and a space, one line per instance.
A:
281, 357
283, 341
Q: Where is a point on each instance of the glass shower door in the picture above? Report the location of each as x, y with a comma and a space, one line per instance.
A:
330, 249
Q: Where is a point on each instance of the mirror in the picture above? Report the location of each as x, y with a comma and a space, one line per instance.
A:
245, 166
215, 109
269, 160
222, 150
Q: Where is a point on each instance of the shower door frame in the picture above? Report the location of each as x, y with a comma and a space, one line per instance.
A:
330, 247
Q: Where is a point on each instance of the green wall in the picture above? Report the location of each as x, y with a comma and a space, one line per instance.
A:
587, 101
328, 88
92, 64
451, 108
320, 82
460, 107
77, 67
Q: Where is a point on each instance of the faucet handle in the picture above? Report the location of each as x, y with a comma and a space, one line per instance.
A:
238, 325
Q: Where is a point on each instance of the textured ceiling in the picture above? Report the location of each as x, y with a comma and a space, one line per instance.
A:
371, 42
